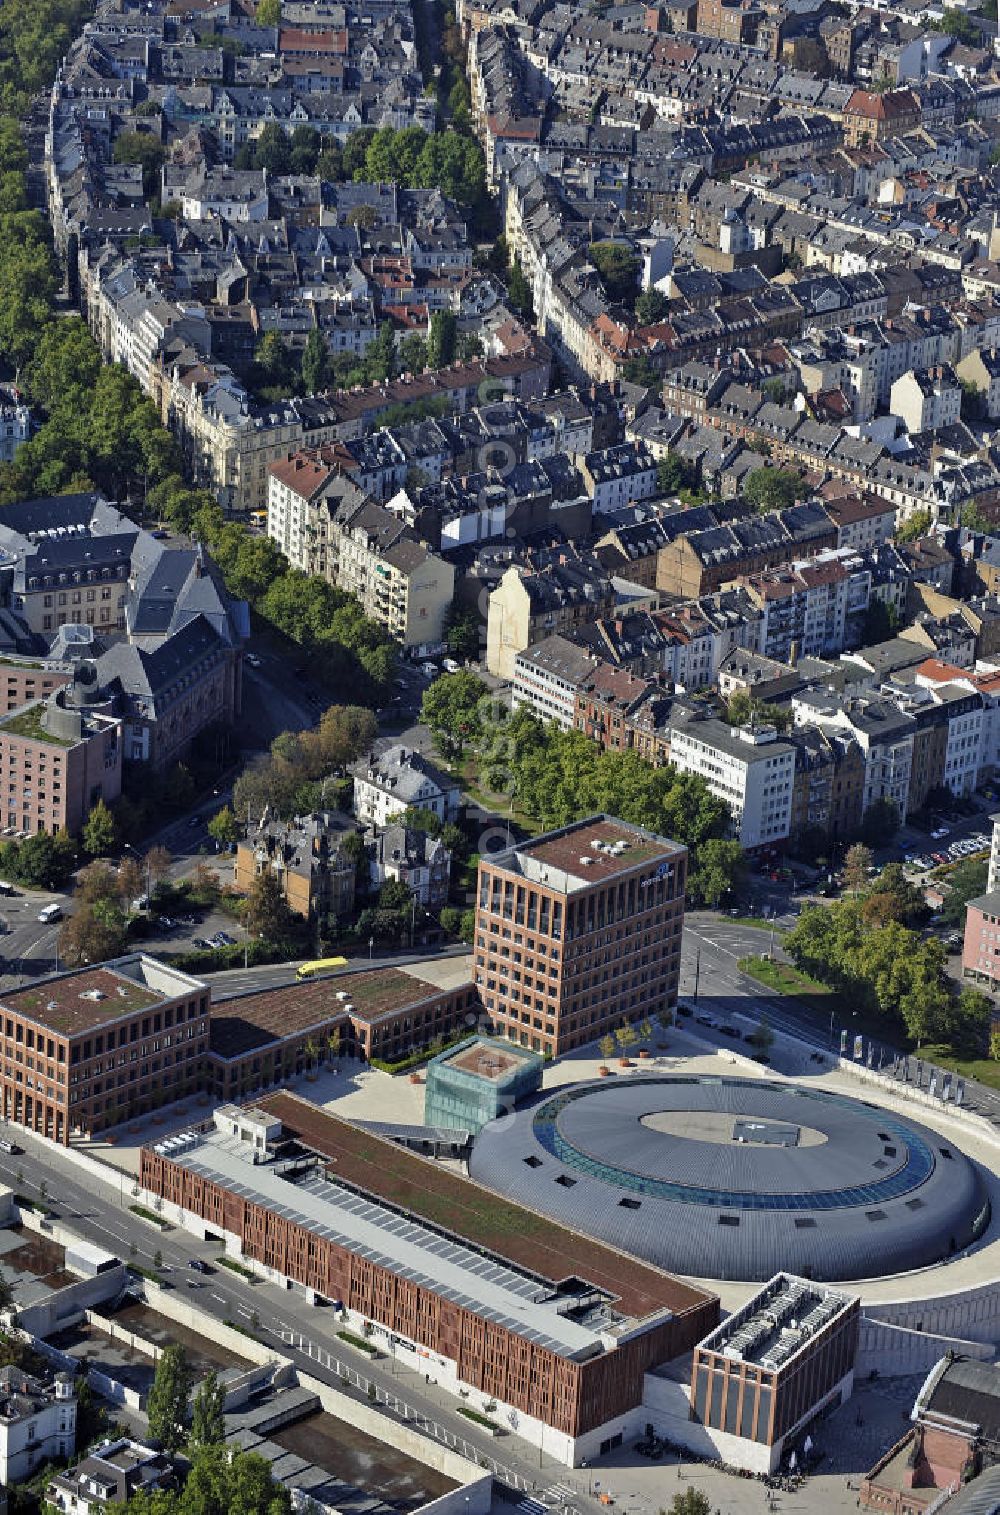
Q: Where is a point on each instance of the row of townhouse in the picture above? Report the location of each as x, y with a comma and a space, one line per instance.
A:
806, 578
230, 443
939, 471
328, 526
931, 725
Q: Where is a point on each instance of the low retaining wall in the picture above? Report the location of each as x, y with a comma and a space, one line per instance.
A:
895, 1351
72, 1303
474, 1485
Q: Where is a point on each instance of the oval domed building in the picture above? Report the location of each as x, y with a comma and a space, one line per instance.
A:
730, 1178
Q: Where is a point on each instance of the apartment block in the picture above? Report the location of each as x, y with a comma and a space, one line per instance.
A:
399, 581
981, 942
59, 757
749, 768
526, 607
305, 856
547, 677
390, 782
579, 931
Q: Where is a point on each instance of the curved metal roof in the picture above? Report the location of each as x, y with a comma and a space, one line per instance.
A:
732, 1178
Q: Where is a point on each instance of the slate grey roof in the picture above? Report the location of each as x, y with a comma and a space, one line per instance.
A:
877, 1196
147, 674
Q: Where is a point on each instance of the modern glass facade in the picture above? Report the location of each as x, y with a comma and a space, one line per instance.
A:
471, 1084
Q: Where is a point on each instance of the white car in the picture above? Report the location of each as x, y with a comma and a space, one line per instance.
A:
253, 660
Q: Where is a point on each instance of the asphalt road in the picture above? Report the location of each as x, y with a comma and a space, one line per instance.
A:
712, 947
100, 1213
27, 947
243, 980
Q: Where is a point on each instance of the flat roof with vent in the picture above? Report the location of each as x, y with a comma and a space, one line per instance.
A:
89, 998
75, 1001
778, 1323
592, 851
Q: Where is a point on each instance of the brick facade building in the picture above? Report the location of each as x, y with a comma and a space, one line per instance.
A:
601, 903
90, 1049
567, 1375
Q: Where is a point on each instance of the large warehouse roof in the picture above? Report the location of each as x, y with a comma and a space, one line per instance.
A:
730, 1178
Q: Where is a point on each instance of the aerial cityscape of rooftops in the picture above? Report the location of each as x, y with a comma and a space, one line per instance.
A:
499, 757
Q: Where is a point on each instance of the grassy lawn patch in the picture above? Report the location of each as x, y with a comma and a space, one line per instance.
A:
359, 1342
467, 775
154, 1220
235, 1267
782, 978
822, 1001
983, 1069
474, 1415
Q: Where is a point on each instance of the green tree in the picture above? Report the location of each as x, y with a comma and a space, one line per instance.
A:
394, 895
521, 296
462, 632
167, 1405
450, 707
641, 372
892, 897
273, 359
773, 488
355, 151
965, 882
265, 912
305, 144
880, 623
222, 828
971, 1027
94, 933
417, 819
99, 831
146, 151
413, 353
268, 13
673, 474
314, 364
618, 266
915, 526
330, 163
857, 866
880, 823
381, 355
691, 1502
651, 306
720, 869
441, 342
208, 1425
960, 25
364, 217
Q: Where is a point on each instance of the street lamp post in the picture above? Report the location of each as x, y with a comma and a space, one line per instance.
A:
371, 947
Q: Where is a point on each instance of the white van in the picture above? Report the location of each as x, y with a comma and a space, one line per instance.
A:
430, 669
450, 666
49, 914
